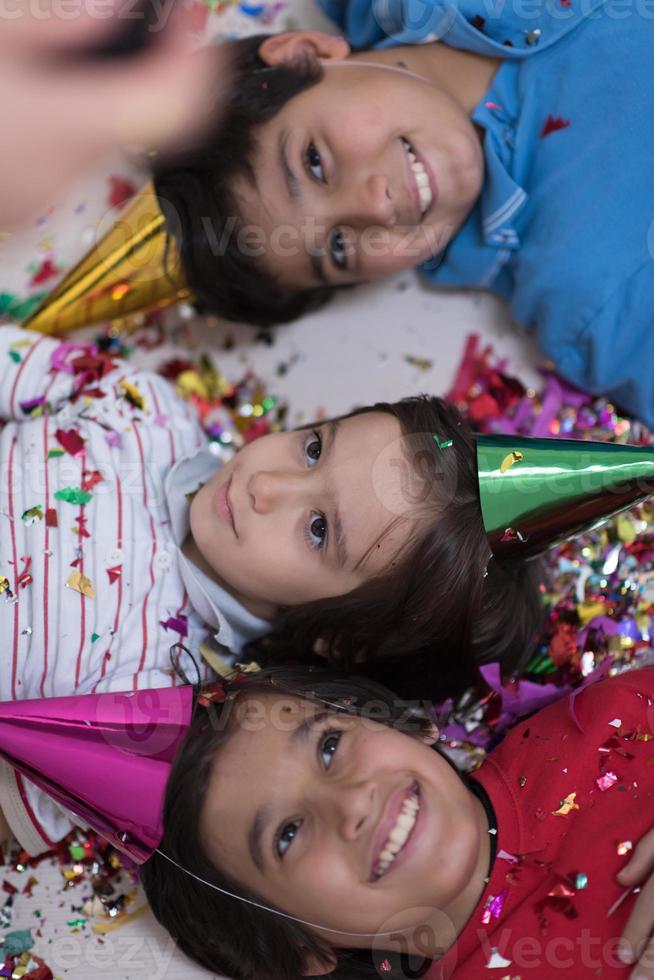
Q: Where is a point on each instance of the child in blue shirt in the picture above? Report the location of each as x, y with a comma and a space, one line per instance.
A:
509, 150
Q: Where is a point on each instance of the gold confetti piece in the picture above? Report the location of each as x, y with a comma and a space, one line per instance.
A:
515, 456
81, 584
4, 583
117, 923
624, 846
133, 395
566, 806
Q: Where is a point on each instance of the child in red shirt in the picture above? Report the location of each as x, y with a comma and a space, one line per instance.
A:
382, 859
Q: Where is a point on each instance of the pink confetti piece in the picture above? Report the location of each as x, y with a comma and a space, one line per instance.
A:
606, 781
177, 623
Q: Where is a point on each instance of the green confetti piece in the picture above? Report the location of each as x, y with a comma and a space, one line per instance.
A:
73, 495
56, 452
17, 308
445, 444
15, 356
76, 923
94, 637
18, 942
77, 852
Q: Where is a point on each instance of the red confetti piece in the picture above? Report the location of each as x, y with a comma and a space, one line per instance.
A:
478, 21
47, 270
120, 191
114, 573
71, 441
91, 478
552, 124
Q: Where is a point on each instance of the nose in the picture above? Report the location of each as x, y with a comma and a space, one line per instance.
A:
268, 489
371, 201
349, 808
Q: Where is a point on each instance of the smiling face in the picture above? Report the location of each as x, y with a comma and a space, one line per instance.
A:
368, 172
298, 516
344, 822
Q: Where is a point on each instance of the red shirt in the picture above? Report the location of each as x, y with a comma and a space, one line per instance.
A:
544, 911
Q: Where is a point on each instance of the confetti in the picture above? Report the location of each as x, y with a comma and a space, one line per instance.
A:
51, 518
493, 907
133, 395
114, 573
496, 961
566, 806
73, 495
552, 124
624, 847
32, 515
515, 456
80, 583
606, 781
71, 441
177, 623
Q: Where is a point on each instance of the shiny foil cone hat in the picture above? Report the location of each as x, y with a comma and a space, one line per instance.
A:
104, 757
535, 493
132, 269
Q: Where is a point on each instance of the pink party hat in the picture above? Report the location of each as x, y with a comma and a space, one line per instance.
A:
104, 757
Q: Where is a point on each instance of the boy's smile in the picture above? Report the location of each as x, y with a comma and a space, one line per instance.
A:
370, 171
344, 822
299, 516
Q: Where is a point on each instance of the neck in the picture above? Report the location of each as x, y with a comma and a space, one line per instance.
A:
465, 76
258, 607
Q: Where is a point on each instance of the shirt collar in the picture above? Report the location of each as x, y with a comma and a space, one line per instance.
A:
502, 198
234, 625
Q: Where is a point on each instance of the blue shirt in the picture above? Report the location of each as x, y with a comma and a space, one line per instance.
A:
564, 226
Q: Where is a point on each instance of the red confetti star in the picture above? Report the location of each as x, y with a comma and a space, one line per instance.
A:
552, 124
47, 270
120, 191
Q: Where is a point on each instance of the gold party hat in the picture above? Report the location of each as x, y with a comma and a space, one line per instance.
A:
132, 269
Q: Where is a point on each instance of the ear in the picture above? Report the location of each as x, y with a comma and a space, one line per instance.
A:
430, 737
279, 49
313, 966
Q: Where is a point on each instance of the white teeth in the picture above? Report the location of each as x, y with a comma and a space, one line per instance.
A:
420, 177
399, 834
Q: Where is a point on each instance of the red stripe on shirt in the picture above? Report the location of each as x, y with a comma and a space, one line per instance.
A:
30, 812
82, 608
46, 561
14, 555
144, 608
118, 583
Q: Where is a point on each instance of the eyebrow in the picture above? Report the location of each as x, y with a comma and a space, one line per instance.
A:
297, 737
294, 191
331, 428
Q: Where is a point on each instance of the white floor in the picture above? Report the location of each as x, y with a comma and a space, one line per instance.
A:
351, 353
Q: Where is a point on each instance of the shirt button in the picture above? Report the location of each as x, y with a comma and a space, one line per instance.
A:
113, 557
163, 560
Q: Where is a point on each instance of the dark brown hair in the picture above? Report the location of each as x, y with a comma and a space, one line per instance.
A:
194, 188
219, 932
445, 607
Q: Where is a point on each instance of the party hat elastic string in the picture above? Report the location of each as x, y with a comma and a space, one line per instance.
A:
267, 908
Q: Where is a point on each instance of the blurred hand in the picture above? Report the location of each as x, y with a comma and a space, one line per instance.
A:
61, 111
638, 934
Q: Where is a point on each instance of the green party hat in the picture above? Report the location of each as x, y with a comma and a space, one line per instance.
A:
535, 493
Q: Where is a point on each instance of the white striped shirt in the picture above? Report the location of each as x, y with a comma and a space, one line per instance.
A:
93, 497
